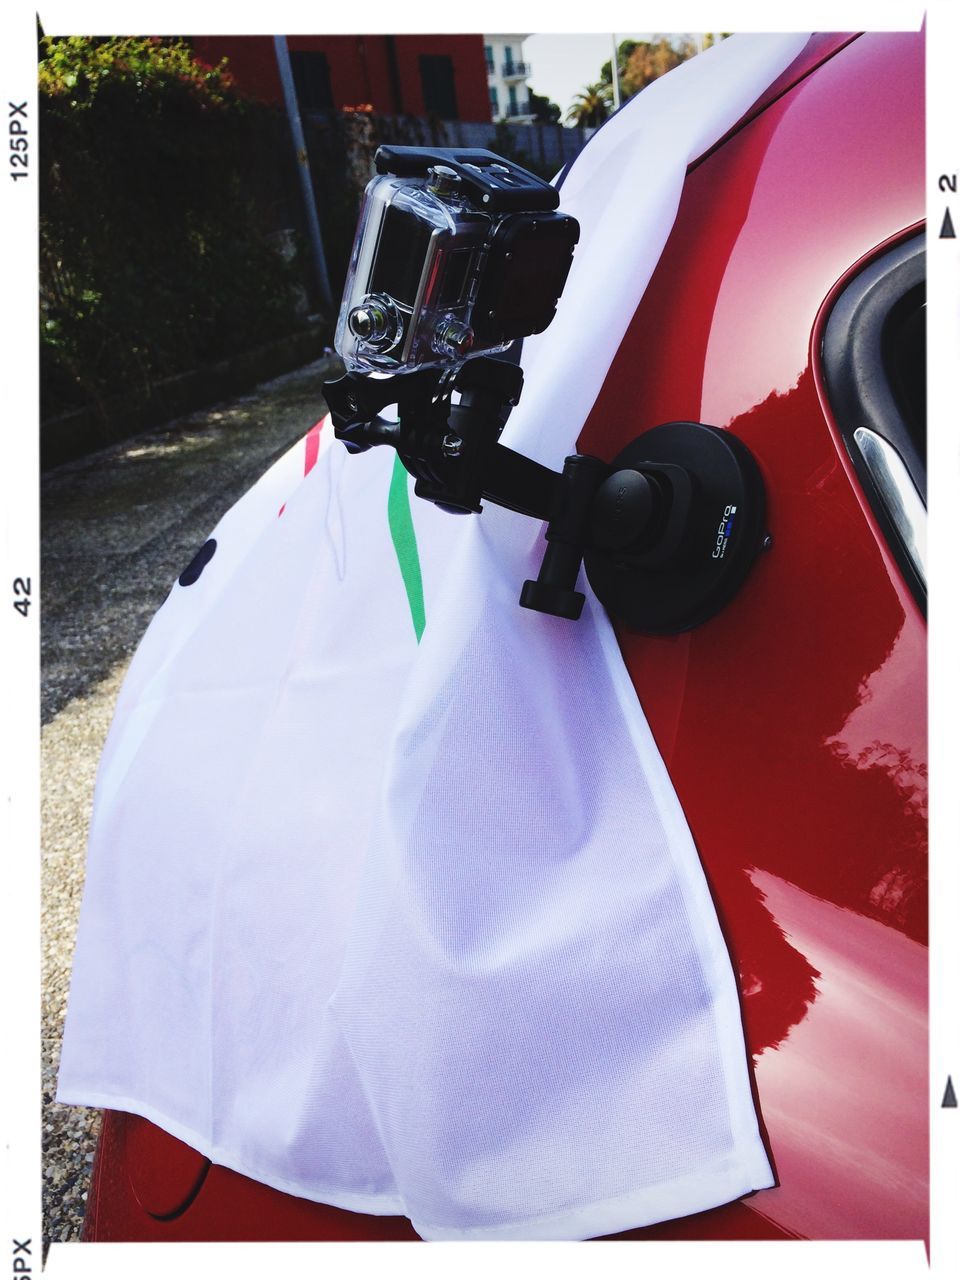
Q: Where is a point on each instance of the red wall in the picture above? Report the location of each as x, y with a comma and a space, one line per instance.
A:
359, 68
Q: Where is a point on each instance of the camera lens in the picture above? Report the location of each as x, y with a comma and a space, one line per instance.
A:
368, 323
376, 324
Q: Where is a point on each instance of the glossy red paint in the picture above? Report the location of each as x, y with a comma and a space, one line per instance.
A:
134, 1157
821, 46
165, 1174
793, 723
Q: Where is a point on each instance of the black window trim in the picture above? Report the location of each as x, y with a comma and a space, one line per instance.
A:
885, 455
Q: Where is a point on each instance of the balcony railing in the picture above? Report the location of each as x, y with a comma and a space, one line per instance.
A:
518, 109
516, 70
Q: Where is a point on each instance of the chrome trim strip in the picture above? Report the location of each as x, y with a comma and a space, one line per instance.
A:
899, 494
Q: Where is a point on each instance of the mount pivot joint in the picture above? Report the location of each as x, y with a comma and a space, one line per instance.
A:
667, 533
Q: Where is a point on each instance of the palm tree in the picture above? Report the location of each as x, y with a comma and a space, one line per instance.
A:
591, 105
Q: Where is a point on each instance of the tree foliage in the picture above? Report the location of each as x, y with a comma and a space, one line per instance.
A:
78, 68
543, 110
638, 63
591, 105
156, 200
624, 50
652, 59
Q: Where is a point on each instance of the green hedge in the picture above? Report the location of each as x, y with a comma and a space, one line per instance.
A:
159, 187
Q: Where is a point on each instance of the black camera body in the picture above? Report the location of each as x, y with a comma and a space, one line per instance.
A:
458, 253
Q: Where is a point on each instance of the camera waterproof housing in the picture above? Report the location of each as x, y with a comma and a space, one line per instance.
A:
458, 253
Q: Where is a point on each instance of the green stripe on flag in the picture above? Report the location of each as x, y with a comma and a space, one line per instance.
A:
404, 537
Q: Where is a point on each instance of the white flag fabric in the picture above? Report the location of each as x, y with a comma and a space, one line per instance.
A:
390, 902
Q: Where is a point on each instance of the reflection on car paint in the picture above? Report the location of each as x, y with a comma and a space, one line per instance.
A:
849, 1081
793, 724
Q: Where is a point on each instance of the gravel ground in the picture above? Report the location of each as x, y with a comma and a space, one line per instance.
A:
116, 530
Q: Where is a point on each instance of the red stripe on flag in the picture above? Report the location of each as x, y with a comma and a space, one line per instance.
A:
312, 444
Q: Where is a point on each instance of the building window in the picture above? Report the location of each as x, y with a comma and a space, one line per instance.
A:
512, 91
508, 59
439, 92
488, 54
311, 76
494, 101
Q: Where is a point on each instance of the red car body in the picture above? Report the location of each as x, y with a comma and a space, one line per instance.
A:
792, 724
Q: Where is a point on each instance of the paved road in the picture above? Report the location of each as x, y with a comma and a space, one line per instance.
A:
117, 529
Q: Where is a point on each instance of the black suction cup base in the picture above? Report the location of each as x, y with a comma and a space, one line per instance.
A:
724, 536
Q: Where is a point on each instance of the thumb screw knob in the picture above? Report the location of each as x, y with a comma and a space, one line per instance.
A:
622, 510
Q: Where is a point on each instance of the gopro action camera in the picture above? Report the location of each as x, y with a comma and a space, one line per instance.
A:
458, 253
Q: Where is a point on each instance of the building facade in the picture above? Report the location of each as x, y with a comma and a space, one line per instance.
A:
507, 76
443, 76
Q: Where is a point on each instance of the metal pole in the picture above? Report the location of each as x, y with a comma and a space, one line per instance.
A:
303, 167
615, 73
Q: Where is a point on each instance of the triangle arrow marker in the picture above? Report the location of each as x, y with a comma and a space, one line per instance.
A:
949, 1096
947, 233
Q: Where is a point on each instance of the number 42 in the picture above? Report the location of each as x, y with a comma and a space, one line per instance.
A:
21, 589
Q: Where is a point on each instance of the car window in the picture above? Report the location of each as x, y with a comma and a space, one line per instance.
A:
905, 361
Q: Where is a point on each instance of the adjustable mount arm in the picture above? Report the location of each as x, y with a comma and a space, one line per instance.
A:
451, 450
668, 531
454, 454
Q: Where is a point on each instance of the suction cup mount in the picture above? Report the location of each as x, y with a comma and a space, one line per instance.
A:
688, 563
667, 533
